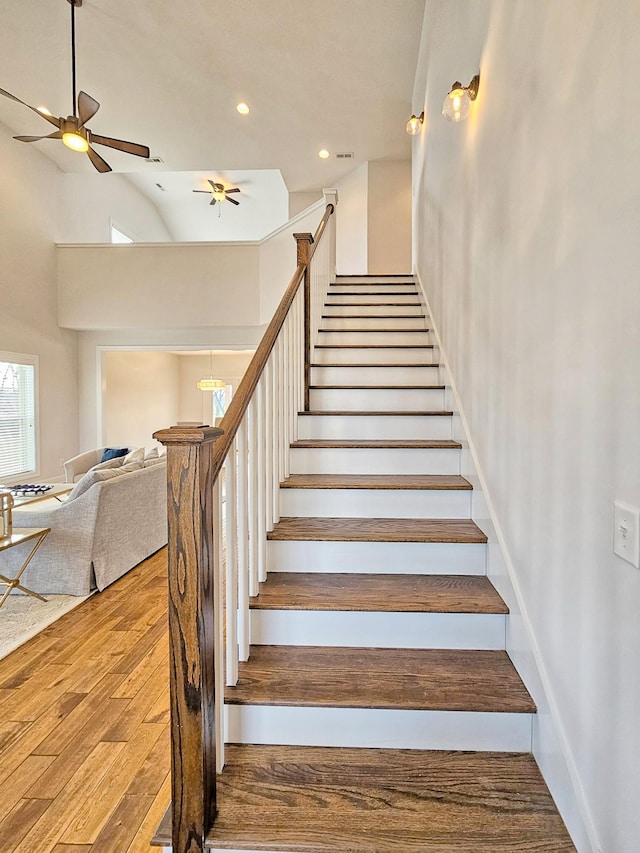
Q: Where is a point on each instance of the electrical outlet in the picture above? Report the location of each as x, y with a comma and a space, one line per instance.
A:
626, 532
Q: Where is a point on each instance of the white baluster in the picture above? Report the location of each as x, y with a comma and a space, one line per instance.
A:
253, 497
243, 542
231, 590
268, 443
275, 435
262, 484
219, 624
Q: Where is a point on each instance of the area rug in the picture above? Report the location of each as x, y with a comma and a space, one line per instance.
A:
22, 617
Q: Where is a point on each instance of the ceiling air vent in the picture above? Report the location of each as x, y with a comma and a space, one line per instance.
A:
345, 155
153, 160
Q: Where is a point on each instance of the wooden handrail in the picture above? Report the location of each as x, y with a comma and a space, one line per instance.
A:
240, 402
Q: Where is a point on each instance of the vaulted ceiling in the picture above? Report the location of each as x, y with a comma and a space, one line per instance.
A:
334, 74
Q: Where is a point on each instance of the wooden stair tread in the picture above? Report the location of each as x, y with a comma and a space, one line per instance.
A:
345, 800
377, 530
397, 679
374, 331
403, 365
377, 387
373, 316
377, 346
435, 413
374, 293
378, 443
396, 482
369, 304
379, 593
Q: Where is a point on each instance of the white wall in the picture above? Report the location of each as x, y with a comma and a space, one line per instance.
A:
351, 222
90, 201
29, 225
526, 222
141, 395
389, 217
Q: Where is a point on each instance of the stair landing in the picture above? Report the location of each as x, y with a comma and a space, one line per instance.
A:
318, 800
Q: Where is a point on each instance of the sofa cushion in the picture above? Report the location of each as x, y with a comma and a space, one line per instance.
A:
132, 466
151, 454
113, 453
136, 455
91, 478
155, 460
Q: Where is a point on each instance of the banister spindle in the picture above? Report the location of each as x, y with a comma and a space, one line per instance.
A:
303, 243
192, 632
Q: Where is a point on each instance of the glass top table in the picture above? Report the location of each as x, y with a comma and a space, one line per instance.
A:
57, 491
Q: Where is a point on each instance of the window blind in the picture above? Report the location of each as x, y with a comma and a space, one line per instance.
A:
17, 418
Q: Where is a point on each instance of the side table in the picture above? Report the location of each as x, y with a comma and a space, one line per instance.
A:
19, 535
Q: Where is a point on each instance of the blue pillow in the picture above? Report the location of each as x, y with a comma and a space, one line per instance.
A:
113, 453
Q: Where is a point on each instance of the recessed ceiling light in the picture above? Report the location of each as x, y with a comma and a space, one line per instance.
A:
242, 108
323, 154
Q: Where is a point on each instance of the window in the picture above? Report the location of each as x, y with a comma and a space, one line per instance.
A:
221, 399
17, 414
118, 236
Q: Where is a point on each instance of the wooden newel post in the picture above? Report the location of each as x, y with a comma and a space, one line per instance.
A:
304, 242
191, 632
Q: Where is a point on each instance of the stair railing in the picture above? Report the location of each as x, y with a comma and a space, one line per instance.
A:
222, 498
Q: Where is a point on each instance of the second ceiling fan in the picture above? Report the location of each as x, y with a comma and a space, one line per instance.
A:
219, 193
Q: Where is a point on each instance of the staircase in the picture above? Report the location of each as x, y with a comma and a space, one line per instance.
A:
379, 710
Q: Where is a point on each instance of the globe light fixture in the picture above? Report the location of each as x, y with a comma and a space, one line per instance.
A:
457, 104
414, 125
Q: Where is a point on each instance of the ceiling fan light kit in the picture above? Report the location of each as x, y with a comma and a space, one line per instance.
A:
72, 130
219, 193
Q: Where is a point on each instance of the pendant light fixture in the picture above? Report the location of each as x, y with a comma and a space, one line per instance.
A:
208, 383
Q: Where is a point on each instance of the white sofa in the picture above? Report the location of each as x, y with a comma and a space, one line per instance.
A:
83, 462
97, 536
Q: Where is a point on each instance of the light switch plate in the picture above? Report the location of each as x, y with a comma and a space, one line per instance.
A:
626, 532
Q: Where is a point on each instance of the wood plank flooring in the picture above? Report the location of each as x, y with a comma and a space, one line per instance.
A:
322, 800
84, 724
378, 443
400, 679
390, 593
377, 530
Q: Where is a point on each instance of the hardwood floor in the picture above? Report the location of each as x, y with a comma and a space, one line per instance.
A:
84, 725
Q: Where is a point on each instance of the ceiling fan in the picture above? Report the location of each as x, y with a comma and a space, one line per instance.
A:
72, 130
219, 193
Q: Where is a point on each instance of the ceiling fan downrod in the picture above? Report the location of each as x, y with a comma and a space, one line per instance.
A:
73, 4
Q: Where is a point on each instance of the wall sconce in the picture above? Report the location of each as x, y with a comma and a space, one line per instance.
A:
414, 125
457, 104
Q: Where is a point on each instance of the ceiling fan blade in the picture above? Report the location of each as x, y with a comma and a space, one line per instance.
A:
87, 107
100, 164
211, 183
213, 201
233, 201
121, 145
51, 119
56, 135
201, 191
234, 190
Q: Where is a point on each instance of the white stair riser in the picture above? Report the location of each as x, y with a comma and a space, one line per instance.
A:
364, 460
338, 309
378, 630
371, 338
375, 375
375, 503
372, 426
378, 728
372, 287
376, 399
374, 323
408, 558
354, 298
366, 355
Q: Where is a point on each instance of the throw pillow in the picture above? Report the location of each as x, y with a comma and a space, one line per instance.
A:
132, 466
151, 454
136, 455
110, 463
113, 453
90, 479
